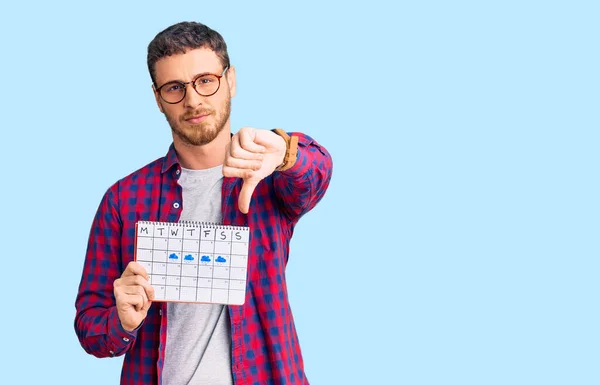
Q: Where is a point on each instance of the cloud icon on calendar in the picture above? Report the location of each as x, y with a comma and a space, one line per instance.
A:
188, 257
220, 259
205, 258
173, 256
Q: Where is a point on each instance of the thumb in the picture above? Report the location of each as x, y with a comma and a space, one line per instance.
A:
246, 195
147, 306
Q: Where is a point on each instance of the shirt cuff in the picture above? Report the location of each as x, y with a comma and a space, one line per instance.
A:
119, 337
301, 165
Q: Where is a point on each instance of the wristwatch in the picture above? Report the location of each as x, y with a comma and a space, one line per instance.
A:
291, 151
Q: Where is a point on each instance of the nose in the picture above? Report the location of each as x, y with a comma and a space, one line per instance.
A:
192, 99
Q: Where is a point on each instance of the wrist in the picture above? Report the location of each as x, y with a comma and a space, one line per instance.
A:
127, 327
291, 150
283, 150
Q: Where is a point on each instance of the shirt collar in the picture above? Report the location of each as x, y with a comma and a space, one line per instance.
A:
170, 159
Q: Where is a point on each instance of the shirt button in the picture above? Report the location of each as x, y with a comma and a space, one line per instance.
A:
176, 205
178, 172
111, 352
125, 339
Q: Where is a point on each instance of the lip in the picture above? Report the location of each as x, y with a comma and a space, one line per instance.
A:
196, 119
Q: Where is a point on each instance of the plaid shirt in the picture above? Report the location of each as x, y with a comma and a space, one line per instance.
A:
265, 348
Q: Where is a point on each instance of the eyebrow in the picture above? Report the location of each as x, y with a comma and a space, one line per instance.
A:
195, 77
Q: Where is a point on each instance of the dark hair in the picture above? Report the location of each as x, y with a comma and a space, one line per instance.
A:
182, 37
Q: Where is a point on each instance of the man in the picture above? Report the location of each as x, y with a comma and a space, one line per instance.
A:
258, 178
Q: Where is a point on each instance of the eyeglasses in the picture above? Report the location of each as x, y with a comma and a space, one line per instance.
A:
205, 85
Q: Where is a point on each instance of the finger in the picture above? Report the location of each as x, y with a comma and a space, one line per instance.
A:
138, 290
147, 305
145, 284
269, 139
247, 141
237, 172
237, 152
134, 300
134, 268
246, 195
135, 281
125, 300
243, 164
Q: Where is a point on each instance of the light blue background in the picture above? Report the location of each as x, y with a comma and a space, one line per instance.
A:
458, 242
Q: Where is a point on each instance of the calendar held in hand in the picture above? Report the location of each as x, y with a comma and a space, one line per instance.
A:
194, 261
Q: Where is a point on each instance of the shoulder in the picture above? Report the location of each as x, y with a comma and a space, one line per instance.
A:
146, 175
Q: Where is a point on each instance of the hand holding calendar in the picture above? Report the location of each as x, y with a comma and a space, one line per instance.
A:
252, 155
134, 294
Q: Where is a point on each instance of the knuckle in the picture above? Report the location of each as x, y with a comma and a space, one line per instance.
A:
236, 152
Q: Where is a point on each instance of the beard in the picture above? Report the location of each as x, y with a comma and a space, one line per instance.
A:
203, 132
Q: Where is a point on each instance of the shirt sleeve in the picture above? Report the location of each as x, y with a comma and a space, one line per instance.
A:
302, 186
97, 323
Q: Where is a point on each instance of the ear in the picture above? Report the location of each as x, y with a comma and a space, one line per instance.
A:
231, 80
157, 97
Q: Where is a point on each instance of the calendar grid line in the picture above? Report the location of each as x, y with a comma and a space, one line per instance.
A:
198, 256
152, 257
212, 282
230, 255
181, 266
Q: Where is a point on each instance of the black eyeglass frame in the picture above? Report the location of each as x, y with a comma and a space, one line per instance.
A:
193, 83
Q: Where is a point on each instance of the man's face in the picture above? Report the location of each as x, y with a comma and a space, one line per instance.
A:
196, 120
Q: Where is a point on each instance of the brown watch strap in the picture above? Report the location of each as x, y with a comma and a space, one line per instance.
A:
291, 152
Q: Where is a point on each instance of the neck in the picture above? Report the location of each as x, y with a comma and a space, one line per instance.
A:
205, 156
